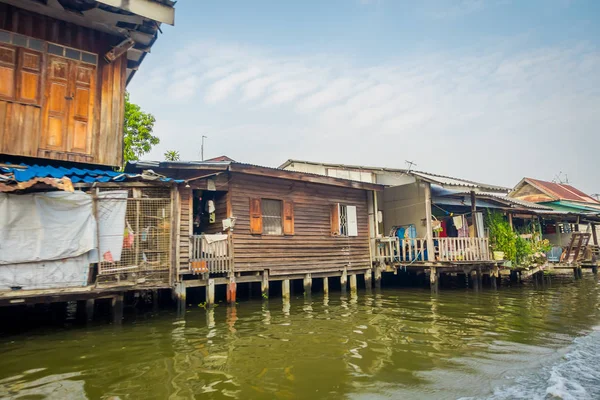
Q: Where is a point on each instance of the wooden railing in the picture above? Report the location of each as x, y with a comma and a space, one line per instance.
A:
395, 250
212, 258
463, 249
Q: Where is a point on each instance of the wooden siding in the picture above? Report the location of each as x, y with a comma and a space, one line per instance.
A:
185, 225
21, 125
312, 247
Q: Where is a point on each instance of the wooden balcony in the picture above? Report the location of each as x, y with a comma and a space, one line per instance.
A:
392, 250
211, 256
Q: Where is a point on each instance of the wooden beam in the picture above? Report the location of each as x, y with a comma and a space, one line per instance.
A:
474, 213
428, 217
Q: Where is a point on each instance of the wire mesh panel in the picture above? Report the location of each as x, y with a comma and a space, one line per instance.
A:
135, 233
271, 216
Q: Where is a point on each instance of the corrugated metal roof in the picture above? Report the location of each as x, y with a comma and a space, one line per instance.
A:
441, 180
561, 191
25, 173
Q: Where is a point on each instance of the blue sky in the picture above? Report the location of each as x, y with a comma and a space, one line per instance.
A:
487, 90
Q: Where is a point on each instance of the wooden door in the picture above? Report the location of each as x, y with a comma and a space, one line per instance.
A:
56, 111
69, 105
81, 109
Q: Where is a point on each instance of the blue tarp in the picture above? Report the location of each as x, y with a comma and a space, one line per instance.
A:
77, 175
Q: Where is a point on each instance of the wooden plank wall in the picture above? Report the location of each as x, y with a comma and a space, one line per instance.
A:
185, 225
311, 248
21, 125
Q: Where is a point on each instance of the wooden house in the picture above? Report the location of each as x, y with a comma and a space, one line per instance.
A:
64, 67
256, 223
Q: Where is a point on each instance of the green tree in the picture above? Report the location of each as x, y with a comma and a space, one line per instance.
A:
138, 128
172, 155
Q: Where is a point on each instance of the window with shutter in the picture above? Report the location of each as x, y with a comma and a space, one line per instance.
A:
29, 76
335, 220
256, 226
57, 107
352, 222
288, 218
8, 59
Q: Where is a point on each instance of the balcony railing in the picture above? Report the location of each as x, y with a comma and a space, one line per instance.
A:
395, 250
211, 256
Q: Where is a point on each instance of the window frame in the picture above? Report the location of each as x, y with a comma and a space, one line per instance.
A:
263, 216
257, 226
341, 225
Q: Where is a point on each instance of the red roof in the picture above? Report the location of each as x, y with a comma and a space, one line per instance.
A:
220, 159
562, 191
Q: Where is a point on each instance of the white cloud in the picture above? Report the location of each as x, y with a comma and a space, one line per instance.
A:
430, 108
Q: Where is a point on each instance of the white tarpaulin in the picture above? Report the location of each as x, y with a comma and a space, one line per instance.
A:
63, 273
45, 226
112, 207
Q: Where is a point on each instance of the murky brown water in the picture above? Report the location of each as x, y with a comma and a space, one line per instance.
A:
399, 343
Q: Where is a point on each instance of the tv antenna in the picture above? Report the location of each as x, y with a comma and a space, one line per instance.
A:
410, 164
202, 148
561, 178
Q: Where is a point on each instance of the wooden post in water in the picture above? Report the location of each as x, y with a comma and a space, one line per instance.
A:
210, 292
369, 278
344, 280
378, 277
285, 289
479, 276
307, 284
326, 286
494, 277
117, 309
264, 285
575, 273
434, 279
89, 309
180, 295
231, 290
595, 270
353, 284
155, 300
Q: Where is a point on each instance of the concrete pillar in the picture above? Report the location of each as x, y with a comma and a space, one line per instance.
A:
180, 295
434, 278
285, 289
344, 280
326, 286
580, 272
378, 277
264, 285
479, 277
231, 290
210, 292
369, 278
595, 270
117, 309
307, 284
155, 300
353, 283
90, 306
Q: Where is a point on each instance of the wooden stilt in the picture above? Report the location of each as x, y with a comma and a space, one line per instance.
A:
575, 273
580, 272
285, 289
90, 306
210, 292
595, 270
117, 309
155, 300
353, 283
378, 277
264, 286
479, 277
231, 290
307, 284
434, 279
326, 286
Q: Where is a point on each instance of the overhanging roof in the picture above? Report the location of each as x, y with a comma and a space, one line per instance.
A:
136, 19
251, 169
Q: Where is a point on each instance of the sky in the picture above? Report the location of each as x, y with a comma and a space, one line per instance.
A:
488, 90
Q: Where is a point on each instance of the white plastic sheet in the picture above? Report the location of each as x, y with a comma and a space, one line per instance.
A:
45, 226
112, 207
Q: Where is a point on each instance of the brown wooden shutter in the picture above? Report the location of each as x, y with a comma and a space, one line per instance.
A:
81, 108
256, 225
57, 104
8, 63
335, 220
288, 218
29, 79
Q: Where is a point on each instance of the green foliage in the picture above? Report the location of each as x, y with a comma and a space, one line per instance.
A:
502, 238
172, 155
138, 128
523, 249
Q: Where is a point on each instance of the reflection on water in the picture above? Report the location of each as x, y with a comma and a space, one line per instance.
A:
522, 342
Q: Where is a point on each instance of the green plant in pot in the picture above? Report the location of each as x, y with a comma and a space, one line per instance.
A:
502, 238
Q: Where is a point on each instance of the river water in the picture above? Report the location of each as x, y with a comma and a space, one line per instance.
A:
522, 342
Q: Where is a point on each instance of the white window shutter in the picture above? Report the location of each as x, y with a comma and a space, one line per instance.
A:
352, 222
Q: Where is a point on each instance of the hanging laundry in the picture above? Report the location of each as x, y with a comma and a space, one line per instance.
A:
210, 206
464, 230
444, 231
458, 222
